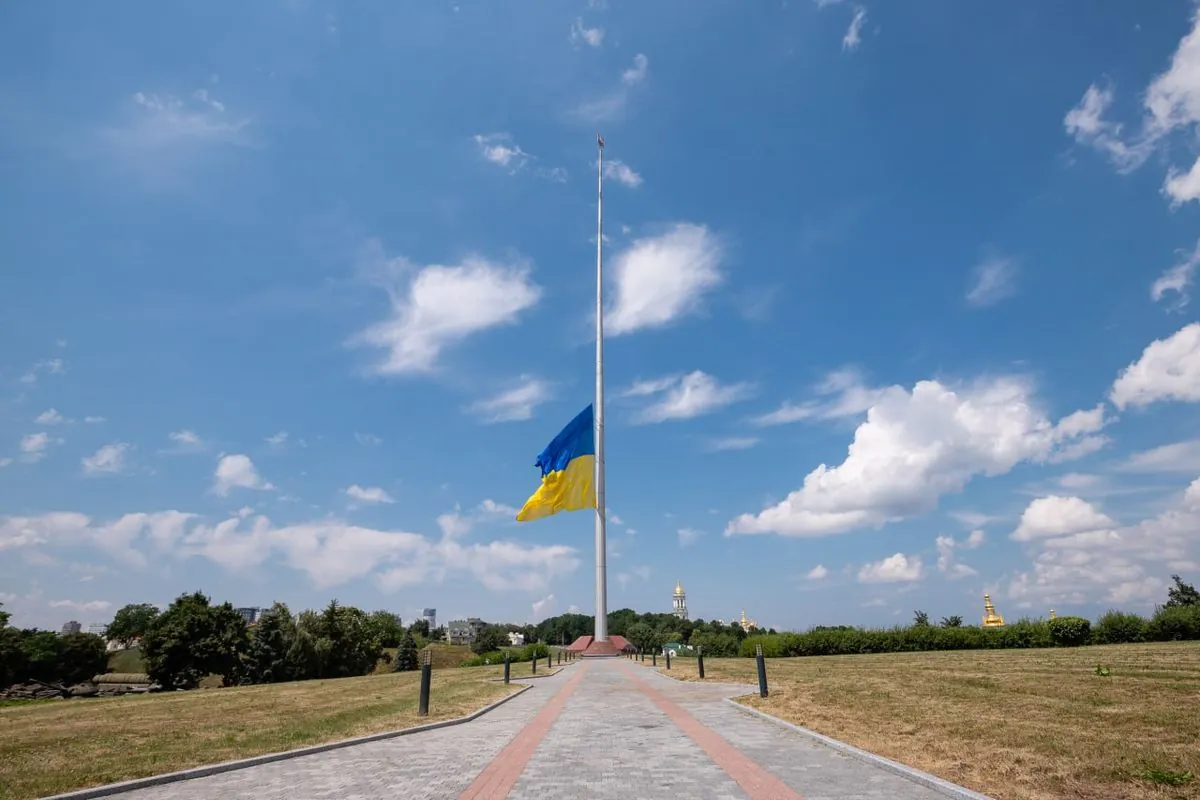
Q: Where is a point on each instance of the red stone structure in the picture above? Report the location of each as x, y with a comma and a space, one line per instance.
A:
588, 647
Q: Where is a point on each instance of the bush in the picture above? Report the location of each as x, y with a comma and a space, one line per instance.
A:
1119, 627
1176, 623
406, 655
1070, 631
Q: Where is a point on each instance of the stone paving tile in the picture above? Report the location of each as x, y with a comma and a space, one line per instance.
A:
437, 764
815, 771
611, 741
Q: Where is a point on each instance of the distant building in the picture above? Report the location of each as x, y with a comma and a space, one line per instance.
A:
460, 631
430, 617
679, 602
516, 639
98, 628
251, 614
71, 627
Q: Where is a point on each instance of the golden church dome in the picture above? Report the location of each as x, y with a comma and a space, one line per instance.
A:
678, 589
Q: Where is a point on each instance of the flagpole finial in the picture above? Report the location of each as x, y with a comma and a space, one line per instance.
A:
599, 140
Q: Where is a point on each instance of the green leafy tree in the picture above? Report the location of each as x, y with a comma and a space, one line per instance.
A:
639, 634
387, 627
1182, 594
954, 621
267, 656
490, 639
920, 618
82, 656
420, 628
131, 622
12, 658
406, 656
193, 639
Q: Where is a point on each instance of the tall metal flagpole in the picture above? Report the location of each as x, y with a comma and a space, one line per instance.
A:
598, 411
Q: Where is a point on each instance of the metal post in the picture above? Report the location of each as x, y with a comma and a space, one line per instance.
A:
700, 660
654, 659
762, 670
534, 662
507, 665
668, 659
426, 679
560, 657
601, 630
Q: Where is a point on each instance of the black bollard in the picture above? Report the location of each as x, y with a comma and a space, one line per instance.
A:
560, 657
426, 679
668, 659
762, 670
534, 664
507, 665
654, 659
700, 660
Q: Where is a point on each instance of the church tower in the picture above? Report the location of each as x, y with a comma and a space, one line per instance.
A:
680, 601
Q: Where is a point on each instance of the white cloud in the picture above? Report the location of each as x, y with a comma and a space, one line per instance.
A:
844, 393
489, 506
1169, 369
1048, 517
94, 420
108, 460
4, 462
1079, 480
187, 440
440, 306
992, 280
853, 35
733, 443
948, 562
817, 573
592, 37
277, 439
641, 572
88, 607
688, 536
331, 552
636, 73
541, 608
515, 404
367, 439
501, 150
915, 447
34, 445
369, 494
1177, 279
976, 539
1182, 186
660, 279
622, 173
1114, 564
897, 568
454, 524
1085, 122
237, 471
687, 396
1176, 457
50, 417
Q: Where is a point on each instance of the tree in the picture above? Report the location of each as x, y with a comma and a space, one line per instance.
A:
192, 640
81, 657
489, 640
1182, 594
952, 622
267, 657
406, 656
420, 628
641, 636
131, 622
920, 618
387, 627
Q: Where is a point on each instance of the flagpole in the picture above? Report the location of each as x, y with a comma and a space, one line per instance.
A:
601, 508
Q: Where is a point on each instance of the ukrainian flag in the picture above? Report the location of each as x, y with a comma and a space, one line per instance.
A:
568, 467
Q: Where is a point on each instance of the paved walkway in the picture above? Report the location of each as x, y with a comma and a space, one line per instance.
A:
598, 729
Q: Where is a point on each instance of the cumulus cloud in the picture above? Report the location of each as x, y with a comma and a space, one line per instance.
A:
51, 417
841, 393
1168, 370
108, 460
237, 471
368, 494
436, 307
660, 279
817, 573
330, 552
622, 173
898, 568
916, 446
686, 396
948, 562
501, 150
186, 439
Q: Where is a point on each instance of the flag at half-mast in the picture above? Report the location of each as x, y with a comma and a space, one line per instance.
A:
568, 467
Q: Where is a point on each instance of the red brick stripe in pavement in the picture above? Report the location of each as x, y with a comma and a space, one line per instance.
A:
754, 780
498, 777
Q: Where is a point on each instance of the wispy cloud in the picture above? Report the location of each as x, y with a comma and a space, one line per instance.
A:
853, 36
513, 404
687, 396
369, 494
622, 173
1177, 280
613, 104
733, 443
992, 280
841, 393
108, 460
501, 150
581, 34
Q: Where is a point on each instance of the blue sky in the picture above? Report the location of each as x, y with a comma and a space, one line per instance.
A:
295, 292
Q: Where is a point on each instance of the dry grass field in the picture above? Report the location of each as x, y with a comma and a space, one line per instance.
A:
1012, 724
55, 746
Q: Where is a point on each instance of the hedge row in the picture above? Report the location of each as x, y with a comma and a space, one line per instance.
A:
525, 653
1114, 627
